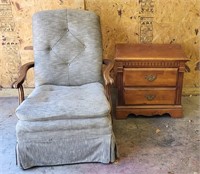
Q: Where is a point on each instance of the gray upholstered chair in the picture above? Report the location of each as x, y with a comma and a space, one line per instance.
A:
66, 119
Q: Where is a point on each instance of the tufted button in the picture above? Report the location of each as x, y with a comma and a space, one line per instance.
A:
49, 48
65, 63
66, 29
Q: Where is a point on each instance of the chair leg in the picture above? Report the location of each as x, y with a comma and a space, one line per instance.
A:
21, 94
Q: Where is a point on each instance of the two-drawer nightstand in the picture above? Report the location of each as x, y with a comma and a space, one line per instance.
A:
149, 79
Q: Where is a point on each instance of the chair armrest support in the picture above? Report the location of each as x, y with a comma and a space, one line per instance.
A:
107, 71
22, 76
108, 80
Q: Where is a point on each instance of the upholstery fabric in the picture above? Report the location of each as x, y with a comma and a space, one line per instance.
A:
39, 141
70, 150
68, 44
50, 102
66, 119
72, 125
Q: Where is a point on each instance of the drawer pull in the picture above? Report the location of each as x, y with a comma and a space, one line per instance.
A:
151, 77
150, 97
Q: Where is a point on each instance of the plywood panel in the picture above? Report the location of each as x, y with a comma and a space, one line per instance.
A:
119, 22
135, 21
153, 21
179, 22
16, 34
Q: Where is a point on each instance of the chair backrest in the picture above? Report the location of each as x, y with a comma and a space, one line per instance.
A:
67, 47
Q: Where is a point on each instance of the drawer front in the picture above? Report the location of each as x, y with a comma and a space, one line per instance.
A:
143, 96
150, 77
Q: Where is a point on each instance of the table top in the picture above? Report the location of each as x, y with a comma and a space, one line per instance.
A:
128, 51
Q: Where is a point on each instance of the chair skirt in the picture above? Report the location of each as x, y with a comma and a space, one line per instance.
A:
56, 144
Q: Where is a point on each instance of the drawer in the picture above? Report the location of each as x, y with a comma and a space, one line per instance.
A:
150, 77
141, 96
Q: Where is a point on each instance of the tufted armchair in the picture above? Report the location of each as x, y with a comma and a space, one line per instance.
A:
66, 119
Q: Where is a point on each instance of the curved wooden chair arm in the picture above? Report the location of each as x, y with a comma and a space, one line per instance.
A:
108, 80
22, 75
107, 71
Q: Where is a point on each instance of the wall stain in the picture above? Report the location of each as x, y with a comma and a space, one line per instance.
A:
196, 31
61, 2
18, 6
119, 12
187, 68
28, 48
197, 68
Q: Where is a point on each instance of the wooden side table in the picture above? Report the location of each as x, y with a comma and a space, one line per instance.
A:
149, 79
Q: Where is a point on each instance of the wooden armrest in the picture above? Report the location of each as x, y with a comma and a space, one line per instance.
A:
22, 75
107, 71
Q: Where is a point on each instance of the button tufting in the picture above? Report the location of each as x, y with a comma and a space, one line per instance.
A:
49, 48
66, 29
68, 41
65, 63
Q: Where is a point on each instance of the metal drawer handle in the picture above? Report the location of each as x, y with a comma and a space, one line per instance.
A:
150, 77
150, 97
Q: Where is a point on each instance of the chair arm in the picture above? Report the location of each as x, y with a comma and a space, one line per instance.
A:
107, 71
22, 75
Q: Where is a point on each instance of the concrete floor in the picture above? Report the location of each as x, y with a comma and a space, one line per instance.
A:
156, 145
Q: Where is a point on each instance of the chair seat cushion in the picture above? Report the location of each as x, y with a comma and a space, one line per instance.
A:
58, 129
51, 102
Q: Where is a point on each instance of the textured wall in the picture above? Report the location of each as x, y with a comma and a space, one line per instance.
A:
16, 34
153, 21
137, 21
